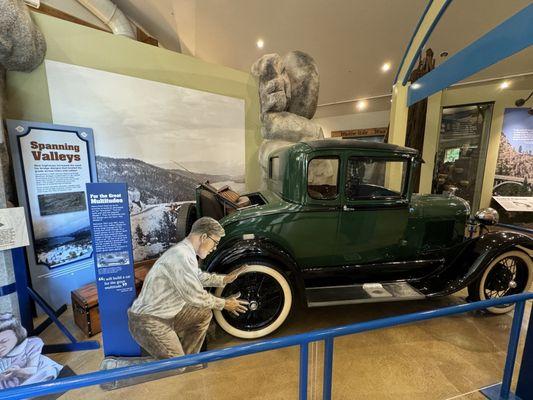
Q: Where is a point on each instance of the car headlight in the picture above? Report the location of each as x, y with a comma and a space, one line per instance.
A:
487, 216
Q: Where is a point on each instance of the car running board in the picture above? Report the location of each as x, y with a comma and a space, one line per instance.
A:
362, 293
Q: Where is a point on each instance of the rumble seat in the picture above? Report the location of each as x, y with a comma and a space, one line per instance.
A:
216, 203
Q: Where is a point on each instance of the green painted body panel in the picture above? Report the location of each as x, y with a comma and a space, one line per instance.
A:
292, 226
338, 232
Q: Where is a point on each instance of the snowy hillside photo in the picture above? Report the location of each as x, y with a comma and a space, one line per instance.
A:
155, 195
160, 139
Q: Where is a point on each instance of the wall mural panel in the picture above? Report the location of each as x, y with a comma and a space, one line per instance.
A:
160, 139
513, 181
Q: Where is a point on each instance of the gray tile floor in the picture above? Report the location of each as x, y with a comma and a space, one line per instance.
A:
446, 358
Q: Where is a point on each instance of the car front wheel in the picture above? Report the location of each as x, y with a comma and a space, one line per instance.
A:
270, 299
509, 273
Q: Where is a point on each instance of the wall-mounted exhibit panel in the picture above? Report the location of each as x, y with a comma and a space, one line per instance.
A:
513, 181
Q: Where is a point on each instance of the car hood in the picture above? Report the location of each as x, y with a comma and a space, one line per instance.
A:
435, 205
274, 204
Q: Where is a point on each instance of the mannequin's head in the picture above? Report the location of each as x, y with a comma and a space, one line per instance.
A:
205, 235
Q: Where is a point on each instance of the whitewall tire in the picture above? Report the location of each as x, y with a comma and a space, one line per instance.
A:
509, 273
270, 295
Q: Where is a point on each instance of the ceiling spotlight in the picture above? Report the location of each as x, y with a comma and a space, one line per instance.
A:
260, 43
361, 105
504, 85
415, 86
385, 67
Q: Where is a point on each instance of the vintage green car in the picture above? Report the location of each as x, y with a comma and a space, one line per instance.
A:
339, 224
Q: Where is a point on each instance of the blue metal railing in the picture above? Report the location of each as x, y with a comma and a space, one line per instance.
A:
302, 340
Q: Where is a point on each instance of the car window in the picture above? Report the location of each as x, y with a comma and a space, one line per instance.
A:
366, 179
322, 178
273, 170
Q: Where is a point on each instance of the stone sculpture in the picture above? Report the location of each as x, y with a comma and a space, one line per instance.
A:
22, 45
288, 93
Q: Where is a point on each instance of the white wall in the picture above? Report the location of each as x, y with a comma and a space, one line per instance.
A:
378, 119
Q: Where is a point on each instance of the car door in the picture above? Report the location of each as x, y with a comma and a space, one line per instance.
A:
312, 231
375, 209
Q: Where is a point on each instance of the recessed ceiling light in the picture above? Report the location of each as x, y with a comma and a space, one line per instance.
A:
415, 86
505, 84
385, 67
260, 43
361, 105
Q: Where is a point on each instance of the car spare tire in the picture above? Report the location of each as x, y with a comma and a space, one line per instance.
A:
185, 219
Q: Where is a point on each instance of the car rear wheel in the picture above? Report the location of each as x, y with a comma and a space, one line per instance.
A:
509, 273
270, 296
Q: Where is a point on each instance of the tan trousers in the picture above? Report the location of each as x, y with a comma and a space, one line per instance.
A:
167, 338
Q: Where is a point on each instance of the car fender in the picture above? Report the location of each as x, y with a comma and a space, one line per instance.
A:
472, 260
263, 248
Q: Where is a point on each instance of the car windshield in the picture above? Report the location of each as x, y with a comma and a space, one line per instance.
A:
366, 178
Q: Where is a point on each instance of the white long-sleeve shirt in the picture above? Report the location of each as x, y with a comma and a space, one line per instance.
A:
176, 280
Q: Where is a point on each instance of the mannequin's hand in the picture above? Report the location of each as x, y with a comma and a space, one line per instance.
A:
235, 306
234, 274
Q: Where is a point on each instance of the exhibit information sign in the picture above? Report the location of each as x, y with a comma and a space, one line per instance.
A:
515, 203
52, 164
113, 259
13, 232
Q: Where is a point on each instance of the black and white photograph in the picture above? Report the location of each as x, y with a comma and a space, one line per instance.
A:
60, 203
113, 259
162, 145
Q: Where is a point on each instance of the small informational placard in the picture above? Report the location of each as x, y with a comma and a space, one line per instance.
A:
13, 232
515, 203
113, 259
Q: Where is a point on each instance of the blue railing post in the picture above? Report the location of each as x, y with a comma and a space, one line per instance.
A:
524, 386
21, 280
328, 368
511, 351
304, 368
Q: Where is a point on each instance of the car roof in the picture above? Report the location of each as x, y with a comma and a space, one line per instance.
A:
358, 144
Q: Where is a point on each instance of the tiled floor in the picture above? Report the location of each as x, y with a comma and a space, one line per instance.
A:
436, 359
